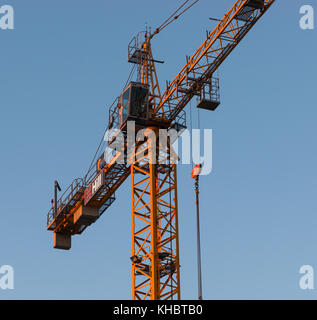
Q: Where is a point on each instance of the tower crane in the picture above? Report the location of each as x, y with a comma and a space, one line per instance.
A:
154, 210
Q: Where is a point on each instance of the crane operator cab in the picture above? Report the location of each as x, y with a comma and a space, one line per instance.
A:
134, 105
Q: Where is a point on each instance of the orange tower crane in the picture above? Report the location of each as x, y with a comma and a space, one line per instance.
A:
154, 210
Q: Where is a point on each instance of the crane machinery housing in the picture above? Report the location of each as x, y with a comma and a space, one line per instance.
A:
154, 211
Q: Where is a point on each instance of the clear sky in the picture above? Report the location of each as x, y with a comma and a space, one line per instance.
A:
62, 67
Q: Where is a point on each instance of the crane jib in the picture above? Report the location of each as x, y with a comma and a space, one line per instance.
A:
207, 59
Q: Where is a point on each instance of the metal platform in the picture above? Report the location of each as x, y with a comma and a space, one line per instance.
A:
136, 54
65, 203
208, 105
209, 98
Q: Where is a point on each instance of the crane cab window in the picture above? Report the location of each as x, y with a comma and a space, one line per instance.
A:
139, 98
125, 105
134, 104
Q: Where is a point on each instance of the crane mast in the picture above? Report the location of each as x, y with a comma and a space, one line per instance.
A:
154, 210
155, 252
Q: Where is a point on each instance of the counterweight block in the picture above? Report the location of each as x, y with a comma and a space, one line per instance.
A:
62, 241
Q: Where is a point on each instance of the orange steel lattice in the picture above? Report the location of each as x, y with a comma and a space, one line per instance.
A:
155, 248
210, 55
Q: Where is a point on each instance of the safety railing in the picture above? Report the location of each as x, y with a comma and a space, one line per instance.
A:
135, 52
67, 199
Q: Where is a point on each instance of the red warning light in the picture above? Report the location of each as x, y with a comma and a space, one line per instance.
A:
196, 171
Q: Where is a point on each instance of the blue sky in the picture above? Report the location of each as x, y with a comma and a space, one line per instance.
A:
62, 67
